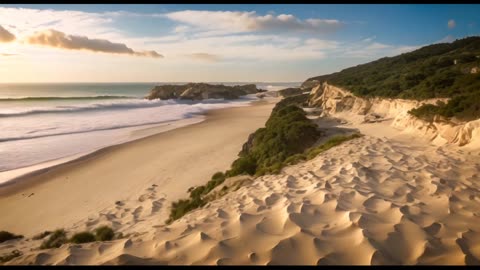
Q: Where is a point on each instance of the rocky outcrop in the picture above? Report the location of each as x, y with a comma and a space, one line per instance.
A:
200, 91
334, 100
292, 91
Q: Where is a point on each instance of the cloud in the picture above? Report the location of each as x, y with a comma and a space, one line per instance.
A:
181, 29
29, 21
370, 39
321, 44
59, 39
236, 21
247, 47
447, 39
371, 50
376, 45
204, 57
451, 24
6, 36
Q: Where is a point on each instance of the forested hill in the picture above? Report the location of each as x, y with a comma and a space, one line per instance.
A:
446, 70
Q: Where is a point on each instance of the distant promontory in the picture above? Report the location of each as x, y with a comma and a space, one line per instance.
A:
200, 91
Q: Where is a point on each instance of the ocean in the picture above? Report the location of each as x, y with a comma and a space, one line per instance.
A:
46, 124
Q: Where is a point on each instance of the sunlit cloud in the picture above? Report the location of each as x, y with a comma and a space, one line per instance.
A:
61, 40
204, 57
236, 21
369, 39
5, 35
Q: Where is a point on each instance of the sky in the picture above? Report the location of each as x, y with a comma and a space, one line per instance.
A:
215, 43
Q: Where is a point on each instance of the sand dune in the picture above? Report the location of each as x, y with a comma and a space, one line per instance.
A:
373, 200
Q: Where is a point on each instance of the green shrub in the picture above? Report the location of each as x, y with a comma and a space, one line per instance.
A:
465, 107
428, 72
5, 236
181, 207
218, 175
7, 257
104, 233
82, 237
41, 235
287, 132
295, 159
55, 240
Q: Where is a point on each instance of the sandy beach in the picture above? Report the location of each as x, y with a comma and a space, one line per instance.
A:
172, 161
386, 198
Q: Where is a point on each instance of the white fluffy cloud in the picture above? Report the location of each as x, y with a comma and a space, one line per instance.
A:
59, 39
197, 37
236, 21
28, 21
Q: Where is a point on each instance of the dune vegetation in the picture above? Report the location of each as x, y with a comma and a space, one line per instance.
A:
287, 138
5, 236
59, 237
445, 70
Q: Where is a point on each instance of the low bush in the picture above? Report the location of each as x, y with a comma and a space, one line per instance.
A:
41, 235
82, 237
55, 240
7, 257
104, 233
464, 107
5, 236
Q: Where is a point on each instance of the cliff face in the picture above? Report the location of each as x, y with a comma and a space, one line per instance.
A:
334, 100
200, 91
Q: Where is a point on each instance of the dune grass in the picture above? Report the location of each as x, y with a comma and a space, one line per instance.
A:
9, 256
104, 233
55, 240
5, 236
59, 237
82, 237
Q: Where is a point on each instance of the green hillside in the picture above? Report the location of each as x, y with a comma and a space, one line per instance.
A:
446, 70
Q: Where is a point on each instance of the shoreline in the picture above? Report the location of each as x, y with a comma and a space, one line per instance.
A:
30, 206
12, 176
31, 170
